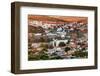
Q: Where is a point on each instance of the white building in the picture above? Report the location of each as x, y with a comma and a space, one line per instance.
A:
56, 42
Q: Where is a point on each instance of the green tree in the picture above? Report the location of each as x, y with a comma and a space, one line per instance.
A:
67, 49
62, 44
43, 55
42, 39
43, 45
50, 47
81, 54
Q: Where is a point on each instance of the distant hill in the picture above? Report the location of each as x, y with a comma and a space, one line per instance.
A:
68, 19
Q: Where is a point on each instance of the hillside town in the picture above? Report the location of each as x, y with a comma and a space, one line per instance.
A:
57, 37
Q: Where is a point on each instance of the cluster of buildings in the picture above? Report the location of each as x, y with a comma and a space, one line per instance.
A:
74, 34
